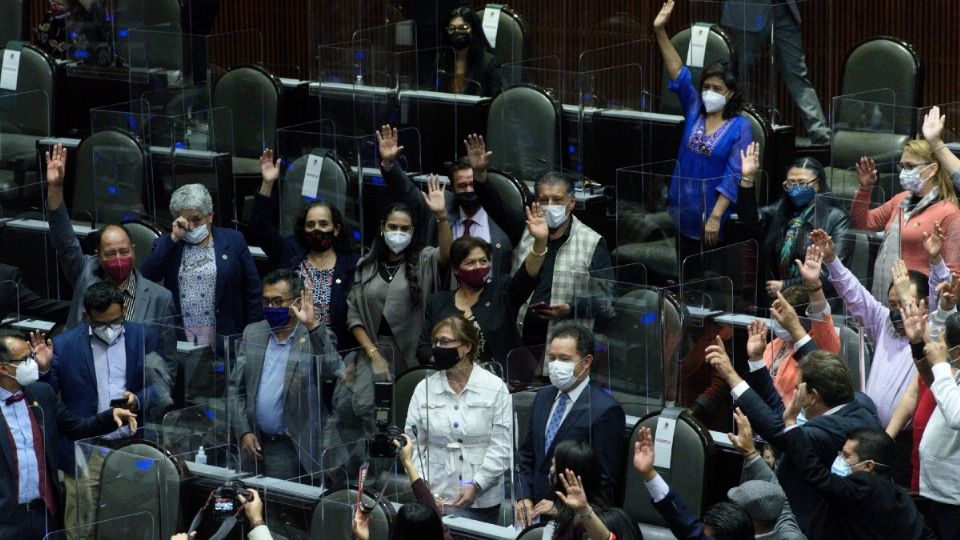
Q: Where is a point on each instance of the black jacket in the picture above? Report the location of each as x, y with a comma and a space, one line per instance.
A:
14, 293
861, 506
483, 78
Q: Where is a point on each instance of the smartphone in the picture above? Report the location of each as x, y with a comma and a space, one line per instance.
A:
537, 306
119, 403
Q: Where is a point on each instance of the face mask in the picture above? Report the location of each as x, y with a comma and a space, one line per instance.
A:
840, 467
897, 321
802, 417
397, 241
118, 268
475, 278
460, 40
780, 331
562, 374
276, 317
109, 333
556, 215
801, 196
28, 372
320, 240
197, 235
712, 101
445, 358
468, 201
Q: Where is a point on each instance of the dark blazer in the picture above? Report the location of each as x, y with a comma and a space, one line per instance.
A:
287, 252
495, 312
425, 225
683, 524
57, 421
16, 297
595, 417
237, 297
826, 434
754, 15
857, 507
74, 377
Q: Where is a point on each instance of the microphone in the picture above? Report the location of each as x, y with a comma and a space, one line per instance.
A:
416, 437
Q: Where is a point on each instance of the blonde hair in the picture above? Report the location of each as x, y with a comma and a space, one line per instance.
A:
920, 148
463, 330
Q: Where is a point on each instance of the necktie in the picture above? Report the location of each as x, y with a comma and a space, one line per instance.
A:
467, 223
14, 398
555, 420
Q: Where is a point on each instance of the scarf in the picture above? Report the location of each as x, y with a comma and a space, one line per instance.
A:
794, 228
890, 248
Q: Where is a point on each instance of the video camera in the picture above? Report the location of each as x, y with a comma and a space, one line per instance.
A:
380, 444
226, 498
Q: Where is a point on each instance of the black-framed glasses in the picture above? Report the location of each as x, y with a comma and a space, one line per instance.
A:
787, 185
276, 302
454, 28
99, 324
30, 356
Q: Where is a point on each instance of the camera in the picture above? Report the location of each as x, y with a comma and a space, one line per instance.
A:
380, 444
226, 498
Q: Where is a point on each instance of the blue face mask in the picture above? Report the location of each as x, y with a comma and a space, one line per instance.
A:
801, 196
840, 467
276, 316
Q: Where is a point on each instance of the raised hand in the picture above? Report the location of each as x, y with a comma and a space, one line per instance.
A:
783, 313
717, 357
948, 291
477, 152
774, 286
536, 223
933, 125
914, 320
792, 410
42, 349
866, 171
901, 282
935, 350
643, 454
56, 165
269, 169
303, 309
933, 243
756, 339
743, 440
825, 243
810, 267
572, 495
387, 140
664, 16
434, 196
750, 161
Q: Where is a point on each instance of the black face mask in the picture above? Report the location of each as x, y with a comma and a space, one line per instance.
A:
468, 201
897, 319
320, 240
460, 40
445, 358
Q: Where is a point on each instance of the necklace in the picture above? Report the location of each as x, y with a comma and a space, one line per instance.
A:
391, 269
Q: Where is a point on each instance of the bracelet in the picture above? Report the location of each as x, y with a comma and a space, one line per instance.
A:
315, 328
535, 254
372, 350
442, 220
744, 179
751, 455
257, 523
813, 289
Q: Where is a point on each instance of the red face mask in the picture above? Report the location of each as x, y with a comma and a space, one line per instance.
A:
118, 268
475, 278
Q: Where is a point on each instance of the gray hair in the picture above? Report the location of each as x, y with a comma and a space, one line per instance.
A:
191, 197
554, 179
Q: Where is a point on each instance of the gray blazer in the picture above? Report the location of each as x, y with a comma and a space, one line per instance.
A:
753, 15
787, 527
151, 302
312, 357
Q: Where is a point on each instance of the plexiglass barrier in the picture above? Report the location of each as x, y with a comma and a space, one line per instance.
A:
859, 241
139, 526
24, 118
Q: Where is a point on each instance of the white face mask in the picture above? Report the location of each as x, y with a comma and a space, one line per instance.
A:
397, 241
562, 374
911, 181
780, 331
28, 372
556, 215
712, 101
840, 467
108, 334
197, 235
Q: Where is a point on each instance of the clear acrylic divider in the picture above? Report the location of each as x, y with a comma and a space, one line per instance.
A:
24, 119
107, 471
633, 273
738, 262
646, 233
139, 526
858, 246
202, 435
158, 57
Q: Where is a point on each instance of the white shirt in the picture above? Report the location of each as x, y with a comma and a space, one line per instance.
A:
110, 368
479, 229
462, 437
940, 445
574, 395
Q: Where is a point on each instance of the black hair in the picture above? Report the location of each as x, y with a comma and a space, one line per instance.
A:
100, 296
462, 164
462, 247
553, 178
579, 333
874, 445
342, 242
724, 70
478, 43
729, 522
920, 281
417, 521
619, 523
814, 166
581, 459
951, 333
379, 251
292, 279
6, 334
827, 373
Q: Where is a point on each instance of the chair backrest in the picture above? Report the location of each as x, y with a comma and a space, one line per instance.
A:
30, 113
109, 185
11, 24
511, 36
333, 516
522, 407
513, 192
252, 95
403, 389
759, 129
719, 47
692, 449
142, 235
850, 350
881, 64
335, 187
139, 477
533, 532
523, 132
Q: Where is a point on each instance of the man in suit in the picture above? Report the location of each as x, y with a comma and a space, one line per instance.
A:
97, 366
16, 297
467, 206
33, 418
273, 387
570, 408
114, 263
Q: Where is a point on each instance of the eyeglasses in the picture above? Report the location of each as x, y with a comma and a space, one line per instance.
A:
276, 302
444, 343
454, 28
31, 356
911, 166
99, 324
788, 185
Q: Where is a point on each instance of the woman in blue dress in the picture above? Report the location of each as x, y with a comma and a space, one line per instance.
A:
704, 186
